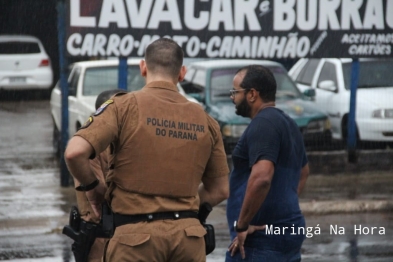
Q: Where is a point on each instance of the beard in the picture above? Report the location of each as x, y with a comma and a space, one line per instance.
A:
243, 109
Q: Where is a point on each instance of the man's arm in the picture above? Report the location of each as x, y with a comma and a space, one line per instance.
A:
77, 157
215, 182
214, 190
258, 187
303, 178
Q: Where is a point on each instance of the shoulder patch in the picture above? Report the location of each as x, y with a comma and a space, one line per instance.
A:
87, 123
103, 106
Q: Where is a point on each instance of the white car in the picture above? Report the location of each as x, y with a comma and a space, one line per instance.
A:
331, 79
86, 81
24, 63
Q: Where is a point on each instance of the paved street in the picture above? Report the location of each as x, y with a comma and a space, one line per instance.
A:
34, 208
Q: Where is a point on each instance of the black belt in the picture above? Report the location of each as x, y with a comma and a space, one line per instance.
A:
120, 219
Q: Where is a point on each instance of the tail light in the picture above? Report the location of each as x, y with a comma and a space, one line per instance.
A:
44, 62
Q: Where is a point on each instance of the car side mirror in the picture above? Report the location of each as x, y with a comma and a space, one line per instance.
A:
310, 93
327, 85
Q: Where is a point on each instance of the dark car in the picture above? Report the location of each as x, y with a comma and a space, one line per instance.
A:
210, 81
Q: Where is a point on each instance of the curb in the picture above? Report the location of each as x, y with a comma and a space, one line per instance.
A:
329, 162
345, 206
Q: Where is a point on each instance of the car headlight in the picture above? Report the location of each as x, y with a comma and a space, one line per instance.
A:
318, 126
383, 113
327, 124
233, 130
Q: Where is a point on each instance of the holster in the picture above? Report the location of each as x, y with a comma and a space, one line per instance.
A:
210, 238
83, 233
108, 224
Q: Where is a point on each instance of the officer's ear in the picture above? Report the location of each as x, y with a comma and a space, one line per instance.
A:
182, 74
143, 68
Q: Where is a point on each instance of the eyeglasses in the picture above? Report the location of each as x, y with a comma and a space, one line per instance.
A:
234, 91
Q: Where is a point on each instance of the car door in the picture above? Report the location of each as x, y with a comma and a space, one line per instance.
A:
328, 95
72, 99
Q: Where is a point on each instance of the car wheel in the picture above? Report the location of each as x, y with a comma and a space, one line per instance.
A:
56, 141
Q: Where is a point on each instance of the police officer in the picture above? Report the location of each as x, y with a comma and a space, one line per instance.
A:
168, 157
100, 168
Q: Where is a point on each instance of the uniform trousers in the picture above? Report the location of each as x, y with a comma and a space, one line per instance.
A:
97, 250
179, 240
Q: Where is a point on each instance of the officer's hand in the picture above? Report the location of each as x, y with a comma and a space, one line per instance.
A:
96, 197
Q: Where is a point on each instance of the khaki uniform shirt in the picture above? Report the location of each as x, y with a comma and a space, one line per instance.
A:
162, 147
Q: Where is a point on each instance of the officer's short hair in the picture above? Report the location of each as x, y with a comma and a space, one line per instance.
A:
105, 95
164, 55
261, 79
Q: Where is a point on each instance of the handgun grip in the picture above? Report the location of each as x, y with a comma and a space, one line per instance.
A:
70, 232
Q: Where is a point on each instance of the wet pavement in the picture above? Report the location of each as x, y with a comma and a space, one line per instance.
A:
34, 208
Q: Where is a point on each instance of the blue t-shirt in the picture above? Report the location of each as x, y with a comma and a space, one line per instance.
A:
272, 135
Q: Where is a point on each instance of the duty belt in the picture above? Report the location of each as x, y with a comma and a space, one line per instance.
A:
120, 219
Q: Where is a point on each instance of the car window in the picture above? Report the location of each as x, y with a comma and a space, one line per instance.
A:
222, 82
73, 84
305, 76
286, 88
11, 48
328, 72
377, 73
295, 69
134, 79
99, 79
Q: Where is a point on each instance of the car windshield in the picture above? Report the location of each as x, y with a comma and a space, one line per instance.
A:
372, 74
99, 79
221, 83
14, 48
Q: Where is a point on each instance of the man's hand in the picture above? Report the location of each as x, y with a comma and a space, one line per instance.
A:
238, 242
96, 197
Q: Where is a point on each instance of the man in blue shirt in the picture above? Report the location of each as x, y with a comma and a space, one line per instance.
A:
270, 169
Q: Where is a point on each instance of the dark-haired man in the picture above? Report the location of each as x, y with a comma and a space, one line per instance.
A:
270, 170
163, 148
100, 168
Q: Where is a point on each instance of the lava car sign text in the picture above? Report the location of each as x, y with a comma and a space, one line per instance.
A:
258, 29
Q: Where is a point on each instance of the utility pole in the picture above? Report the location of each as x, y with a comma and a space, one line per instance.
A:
61, 29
